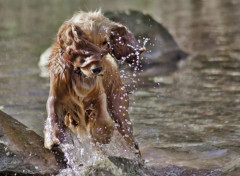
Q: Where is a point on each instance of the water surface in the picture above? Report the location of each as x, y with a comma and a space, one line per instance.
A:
187, 118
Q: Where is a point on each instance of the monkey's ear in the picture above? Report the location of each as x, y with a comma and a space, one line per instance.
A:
124, 45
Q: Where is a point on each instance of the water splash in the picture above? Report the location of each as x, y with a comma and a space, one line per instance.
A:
80, 155
145, 41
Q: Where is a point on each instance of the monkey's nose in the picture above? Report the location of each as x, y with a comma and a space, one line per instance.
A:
96, 70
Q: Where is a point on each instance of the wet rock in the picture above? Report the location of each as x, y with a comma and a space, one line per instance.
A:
115, 166
163, 53
22, 151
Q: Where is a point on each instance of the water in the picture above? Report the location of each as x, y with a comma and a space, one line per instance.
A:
187, 118
82, 154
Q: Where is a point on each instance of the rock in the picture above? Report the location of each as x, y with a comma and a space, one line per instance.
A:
112, 166
119, 166
22, 151
162, 53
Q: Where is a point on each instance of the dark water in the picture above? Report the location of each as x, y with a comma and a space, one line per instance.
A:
187, 118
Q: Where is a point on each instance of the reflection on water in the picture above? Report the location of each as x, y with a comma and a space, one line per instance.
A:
188, 118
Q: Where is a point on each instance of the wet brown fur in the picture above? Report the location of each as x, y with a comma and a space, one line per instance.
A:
89, 104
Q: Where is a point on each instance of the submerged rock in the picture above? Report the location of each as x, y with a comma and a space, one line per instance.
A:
22, 151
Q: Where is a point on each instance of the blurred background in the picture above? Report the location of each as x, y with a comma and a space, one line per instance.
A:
187, 117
